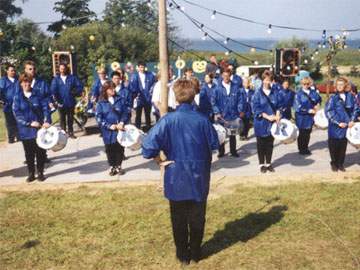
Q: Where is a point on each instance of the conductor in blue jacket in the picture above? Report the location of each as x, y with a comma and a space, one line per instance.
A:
31, 113
65, 88
8, 88
306, 104
266, 107
228, 105
340, 119
140, 85
111, 115
187, 138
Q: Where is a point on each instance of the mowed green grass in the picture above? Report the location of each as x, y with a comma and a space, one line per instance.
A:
295, 226
2, 127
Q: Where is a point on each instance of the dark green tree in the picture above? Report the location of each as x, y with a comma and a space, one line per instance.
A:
74, 13
8, 10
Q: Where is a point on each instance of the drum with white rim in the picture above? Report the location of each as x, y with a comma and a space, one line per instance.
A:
353, 135
285, 131
51, 138
234, 127
131, 138
221, 132
321, 120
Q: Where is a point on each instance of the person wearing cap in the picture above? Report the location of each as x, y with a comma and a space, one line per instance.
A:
187, 138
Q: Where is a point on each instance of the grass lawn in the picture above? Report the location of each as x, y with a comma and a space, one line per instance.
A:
2, 127
294, 226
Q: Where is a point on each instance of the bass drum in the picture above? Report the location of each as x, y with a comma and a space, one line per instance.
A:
51, 138
131, 138
353, 135
234, 127
285, 131
221, 132
321, 120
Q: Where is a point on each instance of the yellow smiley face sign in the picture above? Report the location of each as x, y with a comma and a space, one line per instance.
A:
199, 66
180, 64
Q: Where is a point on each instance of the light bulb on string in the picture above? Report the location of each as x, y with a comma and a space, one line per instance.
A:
149, 3
319, 44
226, 40
252, 49
213, 16
182, 8
316, 51
269, 29
324, 34
204, 36
227, 53
256, 63
312, 57
64, 27
201, 27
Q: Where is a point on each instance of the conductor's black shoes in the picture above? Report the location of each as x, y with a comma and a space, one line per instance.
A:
41, 177
263, 169
30, 178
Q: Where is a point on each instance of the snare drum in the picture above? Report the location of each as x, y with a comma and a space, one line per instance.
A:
321, 120
353, 135
221, 132
131, 138
234, 127
51, 138
284, 131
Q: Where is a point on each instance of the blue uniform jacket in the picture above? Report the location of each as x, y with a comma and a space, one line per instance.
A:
126, 98
260, 105
108, 114
287, 101
136, 88
248, 98
8, 90
27, 110
228, 106
302, 105
65, 93
237, 81
336, 112
96, 89
357, 107
349, 103
206, 95
188, 138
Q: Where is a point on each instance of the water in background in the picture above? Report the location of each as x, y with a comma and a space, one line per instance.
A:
208, 45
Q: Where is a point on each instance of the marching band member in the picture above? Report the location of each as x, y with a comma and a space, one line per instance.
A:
8, 88
206, 95
141, 83
340, 119
266, 109
287, 97
96, 88
248, 93
187, 138
188, 73
31, 112
212, 67
236, 79
121, 90
306, 104
112, 114
228, 104
350, 98
65, 88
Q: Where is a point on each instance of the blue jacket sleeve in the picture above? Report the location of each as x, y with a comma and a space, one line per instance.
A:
154, 140
78, 86
256, 107
298, 107
100, 117
46, 110
213, 138
54, 89
19, 116
241, 102
2, 90
330, 111
214, 102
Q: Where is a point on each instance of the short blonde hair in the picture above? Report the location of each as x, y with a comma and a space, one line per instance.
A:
184, 91
307, 80
342, 79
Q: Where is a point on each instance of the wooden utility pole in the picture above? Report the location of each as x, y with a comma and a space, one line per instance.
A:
163, 55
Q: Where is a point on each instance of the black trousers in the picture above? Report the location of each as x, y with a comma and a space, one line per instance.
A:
337, 149
11, 126
265, 147
246, 129
147, 110
304, 139
188, 223
232, 146
67, 119
114, 153
32, 151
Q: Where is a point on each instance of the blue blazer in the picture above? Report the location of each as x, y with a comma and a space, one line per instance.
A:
8, 90
108, 114
27, 110
287, 101
336, 112
126, 98
248, 98
188, 138
302, 105
137, 89
96, 89
228, 106
206, 95
264, 104
65, 93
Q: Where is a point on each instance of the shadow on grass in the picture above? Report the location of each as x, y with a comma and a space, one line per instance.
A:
242, 230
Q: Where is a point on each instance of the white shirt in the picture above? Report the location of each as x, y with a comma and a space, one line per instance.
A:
342, 96
156, 96
247, 91
63, 78
227, 87
307, 91
197, 99
267, 91
210, 85
11, 79
102, 82
142, 79
33, 83
27, 94
111, 100
117, 88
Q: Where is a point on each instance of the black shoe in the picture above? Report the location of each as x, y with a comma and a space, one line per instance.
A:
11, 140
270, 169
220, 155
196, 256
30, 178
235, 155
334, 168
120, 171
341, 168
263, 169
113, 171
125, 158
72, 136
41, 177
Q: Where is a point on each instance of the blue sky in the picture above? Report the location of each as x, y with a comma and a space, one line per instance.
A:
302, 13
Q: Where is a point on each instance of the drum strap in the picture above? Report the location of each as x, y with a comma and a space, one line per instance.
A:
313, 103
